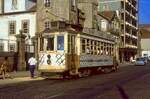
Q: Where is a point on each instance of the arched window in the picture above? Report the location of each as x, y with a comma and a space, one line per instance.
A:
47, 3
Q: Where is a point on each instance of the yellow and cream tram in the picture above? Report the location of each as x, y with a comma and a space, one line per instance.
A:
71, 53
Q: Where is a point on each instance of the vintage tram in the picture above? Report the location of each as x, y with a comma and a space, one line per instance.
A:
72, 53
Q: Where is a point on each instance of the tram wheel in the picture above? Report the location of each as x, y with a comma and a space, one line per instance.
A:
65, 75
107, 70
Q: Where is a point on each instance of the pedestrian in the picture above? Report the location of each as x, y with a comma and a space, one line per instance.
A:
4, 68
32, 63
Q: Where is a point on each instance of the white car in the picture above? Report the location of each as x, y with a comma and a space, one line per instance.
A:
140, 61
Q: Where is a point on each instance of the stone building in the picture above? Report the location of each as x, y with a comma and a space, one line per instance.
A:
55, 10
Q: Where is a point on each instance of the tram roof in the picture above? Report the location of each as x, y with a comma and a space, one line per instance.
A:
58, 30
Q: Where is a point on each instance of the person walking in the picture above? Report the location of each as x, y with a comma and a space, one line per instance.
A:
4, 68
32, 63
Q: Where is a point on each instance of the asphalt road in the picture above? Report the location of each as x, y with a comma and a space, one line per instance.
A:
129, 82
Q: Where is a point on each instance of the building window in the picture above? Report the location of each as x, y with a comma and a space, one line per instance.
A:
47, 3
1, 47
14, 4
47, 25
103, 25
12, 47
12, 27
25, 26
29, 48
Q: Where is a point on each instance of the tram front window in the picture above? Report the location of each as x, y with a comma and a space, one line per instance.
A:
50, 43
60, 42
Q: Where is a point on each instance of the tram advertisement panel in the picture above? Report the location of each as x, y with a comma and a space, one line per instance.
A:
52, 59
95, 60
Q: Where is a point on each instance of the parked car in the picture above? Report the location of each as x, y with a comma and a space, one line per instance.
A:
140, 61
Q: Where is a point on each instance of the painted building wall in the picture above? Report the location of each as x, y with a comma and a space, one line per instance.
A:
14, 5
4, 24
29, 4
10, 8
145, 44
17, 5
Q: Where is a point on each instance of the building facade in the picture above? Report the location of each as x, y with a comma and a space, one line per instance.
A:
55, 10
17, 16
129, 25
145, 39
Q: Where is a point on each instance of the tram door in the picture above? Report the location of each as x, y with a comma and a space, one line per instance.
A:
72, 54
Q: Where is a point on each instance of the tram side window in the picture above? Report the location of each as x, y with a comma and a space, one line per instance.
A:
60, 42
88, 49
92, 47
95, 47
69, 43
102, 48
50, 43
99, 48
83, 45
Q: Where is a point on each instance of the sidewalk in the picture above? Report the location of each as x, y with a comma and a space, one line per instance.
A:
19, 76
23, 74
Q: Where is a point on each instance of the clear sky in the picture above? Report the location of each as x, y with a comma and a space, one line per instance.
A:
144, 11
